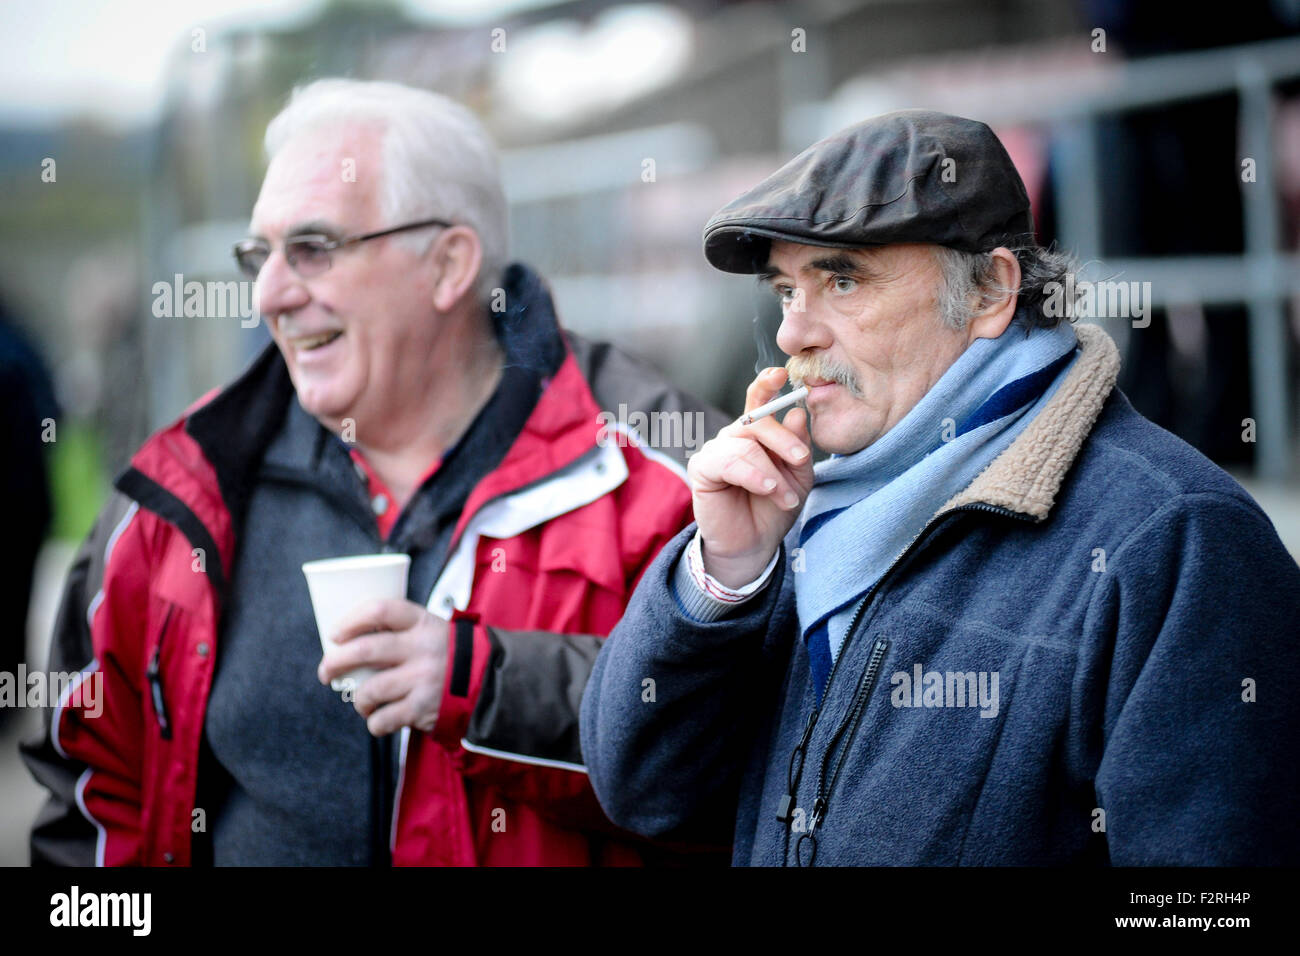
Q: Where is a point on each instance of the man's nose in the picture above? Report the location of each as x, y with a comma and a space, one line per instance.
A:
800, 328
279, 289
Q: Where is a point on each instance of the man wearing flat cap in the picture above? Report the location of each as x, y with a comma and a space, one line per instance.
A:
1008, 621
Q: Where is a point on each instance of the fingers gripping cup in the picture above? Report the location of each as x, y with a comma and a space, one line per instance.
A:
338, 585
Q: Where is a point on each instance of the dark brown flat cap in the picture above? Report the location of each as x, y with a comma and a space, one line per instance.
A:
888, 179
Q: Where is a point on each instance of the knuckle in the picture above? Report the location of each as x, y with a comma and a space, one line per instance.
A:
735, 470
757, 459
704, 461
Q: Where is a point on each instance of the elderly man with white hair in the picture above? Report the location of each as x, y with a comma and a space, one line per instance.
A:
419, 398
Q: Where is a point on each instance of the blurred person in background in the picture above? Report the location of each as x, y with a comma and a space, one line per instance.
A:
419, 397
28, 411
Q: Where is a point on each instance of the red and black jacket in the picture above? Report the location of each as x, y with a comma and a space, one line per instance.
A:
578, 508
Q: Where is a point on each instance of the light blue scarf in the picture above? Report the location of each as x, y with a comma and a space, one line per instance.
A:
867, 507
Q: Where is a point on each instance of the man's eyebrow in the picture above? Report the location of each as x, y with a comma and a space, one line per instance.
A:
312, 227
841, 262
851, 263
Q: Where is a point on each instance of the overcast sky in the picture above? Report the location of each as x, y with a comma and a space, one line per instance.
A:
66, 58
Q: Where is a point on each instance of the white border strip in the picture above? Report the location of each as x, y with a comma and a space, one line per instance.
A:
63, 702
81, 804
401, 780
637, 440
89, 669
521, 758
118, 531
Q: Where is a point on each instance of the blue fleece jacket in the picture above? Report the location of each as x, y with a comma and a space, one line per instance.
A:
1090, 655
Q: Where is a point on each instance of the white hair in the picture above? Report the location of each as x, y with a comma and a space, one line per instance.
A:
438, 161
968, 282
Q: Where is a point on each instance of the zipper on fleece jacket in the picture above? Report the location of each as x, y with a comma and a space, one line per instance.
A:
858, 705
848, 727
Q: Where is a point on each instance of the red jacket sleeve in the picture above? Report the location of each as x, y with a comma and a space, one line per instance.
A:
512, 698
89, 755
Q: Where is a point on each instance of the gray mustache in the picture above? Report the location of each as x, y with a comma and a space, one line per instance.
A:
801, 367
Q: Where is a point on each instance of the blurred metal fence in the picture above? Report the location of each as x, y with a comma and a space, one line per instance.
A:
623, 254
1262, 277
1070, 102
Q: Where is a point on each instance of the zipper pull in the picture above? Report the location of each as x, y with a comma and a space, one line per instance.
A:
156, 689
819, 808
784, 808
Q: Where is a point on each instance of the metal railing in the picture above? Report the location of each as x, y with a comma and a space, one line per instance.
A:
1068, 98
1262, 277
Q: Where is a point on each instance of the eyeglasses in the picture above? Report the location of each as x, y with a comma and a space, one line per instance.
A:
309, 255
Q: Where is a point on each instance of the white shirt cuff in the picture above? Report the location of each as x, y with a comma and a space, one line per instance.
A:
705, 598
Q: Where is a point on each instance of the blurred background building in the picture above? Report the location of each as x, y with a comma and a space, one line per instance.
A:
1158, 144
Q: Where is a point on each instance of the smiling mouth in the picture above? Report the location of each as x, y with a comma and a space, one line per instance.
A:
312, 342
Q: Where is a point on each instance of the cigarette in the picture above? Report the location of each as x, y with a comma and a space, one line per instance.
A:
775, 405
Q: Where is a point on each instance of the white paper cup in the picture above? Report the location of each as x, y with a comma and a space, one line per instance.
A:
338, 585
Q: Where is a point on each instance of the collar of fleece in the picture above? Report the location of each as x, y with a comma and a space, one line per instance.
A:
1028, 474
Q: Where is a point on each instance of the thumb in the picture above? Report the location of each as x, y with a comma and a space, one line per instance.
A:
797, 421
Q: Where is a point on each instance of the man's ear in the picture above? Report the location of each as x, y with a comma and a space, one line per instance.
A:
457, 255
994, 314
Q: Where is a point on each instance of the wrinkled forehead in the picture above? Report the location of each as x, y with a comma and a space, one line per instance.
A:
327, 174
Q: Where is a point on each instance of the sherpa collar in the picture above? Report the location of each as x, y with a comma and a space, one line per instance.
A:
1027, 476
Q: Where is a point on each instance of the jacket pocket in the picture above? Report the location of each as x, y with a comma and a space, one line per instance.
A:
153, 673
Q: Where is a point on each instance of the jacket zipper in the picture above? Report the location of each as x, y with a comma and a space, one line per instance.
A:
154, 674
784, 812
850, 726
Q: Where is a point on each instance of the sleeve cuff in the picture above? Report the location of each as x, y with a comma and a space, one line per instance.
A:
469, 653
703, 598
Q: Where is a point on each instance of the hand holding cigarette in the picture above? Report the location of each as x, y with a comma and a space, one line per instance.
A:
749, 483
